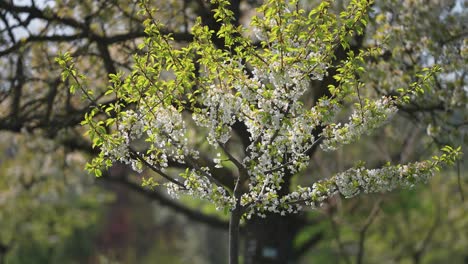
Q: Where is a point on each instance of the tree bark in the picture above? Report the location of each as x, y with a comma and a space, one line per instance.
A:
234, 235
270, 240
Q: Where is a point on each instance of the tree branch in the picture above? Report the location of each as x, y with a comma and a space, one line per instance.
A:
309, 243
164, 201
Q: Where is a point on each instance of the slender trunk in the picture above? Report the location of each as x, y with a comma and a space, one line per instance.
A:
236, 215
234, 235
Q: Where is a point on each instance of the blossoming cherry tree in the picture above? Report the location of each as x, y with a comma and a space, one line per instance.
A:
230, 123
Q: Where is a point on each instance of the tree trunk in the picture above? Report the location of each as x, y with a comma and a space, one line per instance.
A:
234, 235
270, 240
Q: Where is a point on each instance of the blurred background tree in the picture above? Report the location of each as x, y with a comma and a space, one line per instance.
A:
46, 201
51, 211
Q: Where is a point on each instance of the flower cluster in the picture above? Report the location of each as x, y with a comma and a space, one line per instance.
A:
353, 181
161, 127
219, 114
197, 184
293, 202
350, 183
363, 121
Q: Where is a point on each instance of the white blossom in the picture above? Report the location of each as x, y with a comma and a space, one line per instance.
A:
362, 121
